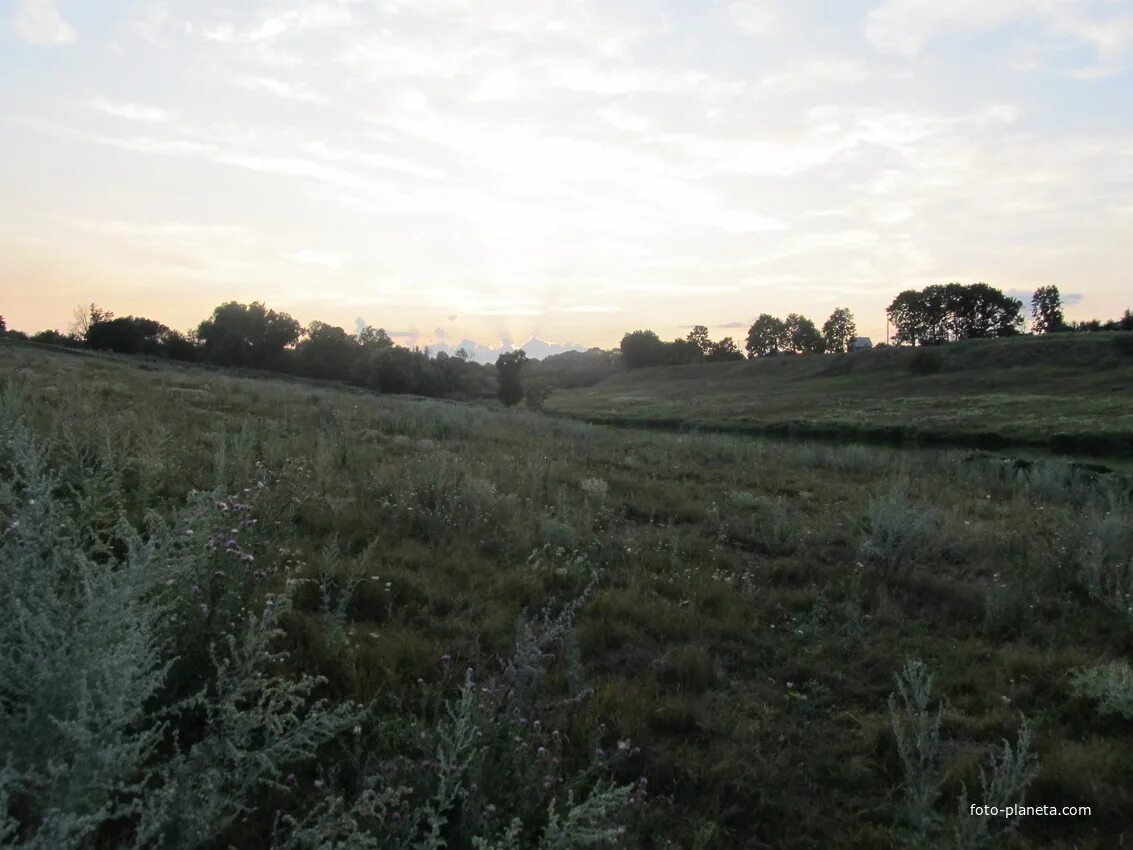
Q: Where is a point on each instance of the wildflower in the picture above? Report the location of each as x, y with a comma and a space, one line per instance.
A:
601, 753
446, 659
396, 816
291, 779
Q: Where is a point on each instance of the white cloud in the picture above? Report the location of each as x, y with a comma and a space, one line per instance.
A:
319, 259
755, 17
907, 26
279, 88
39, 22
129, 111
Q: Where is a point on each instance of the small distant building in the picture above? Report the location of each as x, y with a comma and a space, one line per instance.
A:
860, 343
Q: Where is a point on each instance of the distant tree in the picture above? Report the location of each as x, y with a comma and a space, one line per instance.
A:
909, 316
724, 350
462, 354
765, 336
979, 311
698, 336
389, 370
3, 326
938, 314
85, 315
128, 335
839, 330
802, 336
327, 352
509, 372
643, 348
247, 335
179, 346
680, 352
54, 337
371, 337
1046, 310
537, 393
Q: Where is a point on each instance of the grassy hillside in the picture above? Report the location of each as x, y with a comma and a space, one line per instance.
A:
1069, 392
233, 609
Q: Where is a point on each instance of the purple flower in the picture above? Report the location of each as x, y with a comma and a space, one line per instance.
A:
291, 779
396, 816
446, 659
600, 752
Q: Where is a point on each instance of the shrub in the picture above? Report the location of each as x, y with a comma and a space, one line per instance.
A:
900, 532
917, 731
1108, 685
926, 362
1006, 776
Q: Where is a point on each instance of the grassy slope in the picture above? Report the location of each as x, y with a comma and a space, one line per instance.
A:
732, 636
1070, 389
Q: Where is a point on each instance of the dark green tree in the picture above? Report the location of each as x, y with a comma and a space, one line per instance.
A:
839, 330
537, 393
765, 336
979, 311
248, 335
680, 352
128, 335
643, 348
85, 315
698, 336
1046, 310
509, 372
724, 350
327, 352
371, 337
802, 336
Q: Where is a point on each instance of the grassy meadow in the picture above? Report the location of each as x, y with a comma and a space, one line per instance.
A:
251, 612
1067, 392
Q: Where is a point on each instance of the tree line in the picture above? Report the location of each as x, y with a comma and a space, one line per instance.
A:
930, 316
255, 336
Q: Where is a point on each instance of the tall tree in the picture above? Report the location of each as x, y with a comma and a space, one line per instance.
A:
979, 311
1046, 310
509, 371
327, 352
938, 314
724, 350
85, 315
765, 335
698, 336
839, 330
802, 336
128, 335
247, 335
643, 348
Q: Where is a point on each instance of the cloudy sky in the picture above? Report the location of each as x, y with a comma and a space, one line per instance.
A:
569, 169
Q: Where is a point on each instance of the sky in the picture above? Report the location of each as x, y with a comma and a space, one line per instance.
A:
563, 170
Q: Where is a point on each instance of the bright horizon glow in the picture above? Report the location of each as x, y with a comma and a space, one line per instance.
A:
562, 169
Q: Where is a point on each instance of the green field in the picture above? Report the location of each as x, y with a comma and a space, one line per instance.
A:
239, 611
1069, 392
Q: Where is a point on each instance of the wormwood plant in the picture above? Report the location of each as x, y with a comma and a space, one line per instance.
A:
144, 701
1109, 685
1004, 778
899, 531
917, 731
1003, 781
